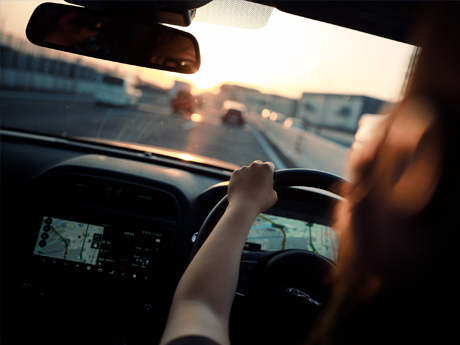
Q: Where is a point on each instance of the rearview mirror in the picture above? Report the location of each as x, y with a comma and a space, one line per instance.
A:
104, 36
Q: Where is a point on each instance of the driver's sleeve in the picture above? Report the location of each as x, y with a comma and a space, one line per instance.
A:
192, 340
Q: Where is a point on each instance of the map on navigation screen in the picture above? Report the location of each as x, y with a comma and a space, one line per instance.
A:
69, 240
274, 233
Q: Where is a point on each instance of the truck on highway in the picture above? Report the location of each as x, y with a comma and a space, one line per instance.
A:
116, 91
183, 103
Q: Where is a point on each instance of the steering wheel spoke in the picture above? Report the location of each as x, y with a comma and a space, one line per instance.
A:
249, 265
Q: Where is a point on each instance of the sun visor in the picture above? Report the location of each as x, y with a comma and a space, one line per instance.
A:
179, 13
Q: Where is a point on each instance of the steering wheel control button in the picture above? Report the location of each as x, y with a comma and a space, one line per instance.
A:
247, 268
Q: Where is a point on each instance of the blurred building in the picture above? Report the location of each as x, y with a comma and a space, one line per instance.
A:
336, 116
27, 67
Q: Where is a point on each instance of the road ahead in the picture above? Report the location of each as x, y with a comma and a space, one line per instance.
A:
150, 123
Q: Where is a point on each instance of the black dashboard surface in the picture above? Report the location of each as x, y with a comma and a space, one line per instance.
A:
131, 219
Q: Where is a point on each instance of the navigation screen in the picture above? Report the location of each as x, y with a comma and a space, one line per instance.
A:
269, 232
69, 240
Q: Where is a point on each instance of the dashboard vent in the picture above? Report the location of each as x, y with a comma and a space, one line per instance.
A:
112, 194
82, 189
147, 200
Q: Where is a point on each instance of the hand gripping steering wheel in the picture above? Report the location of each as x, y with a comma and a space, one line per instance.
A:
283, 290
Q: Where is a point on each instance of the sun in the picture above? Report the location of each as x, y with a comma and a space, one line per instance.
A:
207, 79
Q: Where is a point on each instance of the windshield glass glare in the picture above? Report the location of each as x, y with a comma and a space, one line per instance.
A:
297, 87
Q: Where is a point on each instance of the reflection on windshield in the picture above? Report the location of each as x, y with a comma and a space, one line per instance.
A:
63, 95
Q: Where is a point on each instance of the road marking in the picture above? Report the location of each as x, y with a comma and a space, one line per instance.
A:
272, 155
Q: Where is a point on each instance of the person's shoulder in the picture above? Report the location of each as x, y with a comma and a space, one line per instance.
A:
192, 340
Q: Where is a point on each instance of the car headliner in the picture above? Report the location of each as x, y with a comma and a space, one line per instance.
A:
396, 20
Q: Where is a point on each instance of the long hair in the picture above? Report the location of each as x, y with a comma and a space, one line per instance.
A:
395, 280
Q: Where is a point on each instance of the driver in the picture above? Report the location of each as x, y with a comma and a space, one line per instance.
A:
204, 296
395, 280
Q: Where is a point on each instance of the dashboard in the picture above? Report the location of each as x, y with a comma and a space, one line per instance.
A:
96, 238
272, 232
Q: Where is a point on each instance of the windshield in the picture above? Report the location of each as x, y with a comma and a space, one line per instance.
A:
320, 77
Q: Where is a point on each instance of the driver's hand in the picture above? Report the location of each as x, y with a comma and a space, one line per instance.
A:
252, 186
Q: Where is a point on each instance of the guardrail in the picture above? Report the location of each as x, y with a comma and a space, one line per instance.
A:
303, 148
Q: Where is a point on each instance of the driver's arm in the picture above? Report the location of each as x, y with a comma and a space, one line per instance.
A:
204, 296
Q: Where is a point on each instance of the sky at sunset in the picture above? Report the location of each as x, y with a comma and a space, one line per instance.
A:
290, 55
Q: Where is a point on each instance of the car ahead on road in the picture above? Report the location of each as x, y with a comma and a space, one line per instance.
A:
233, 113
114, 91
102, 209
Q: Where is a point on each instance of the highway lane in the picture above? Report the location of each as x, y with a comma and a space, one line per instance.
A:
149, 124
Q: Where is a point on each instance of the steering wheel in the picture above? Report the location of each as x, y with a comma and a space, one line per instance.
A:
289, 285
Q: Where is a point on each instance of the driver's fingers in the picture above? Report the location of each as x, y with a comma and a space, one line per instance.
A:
272, 165
259, 163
